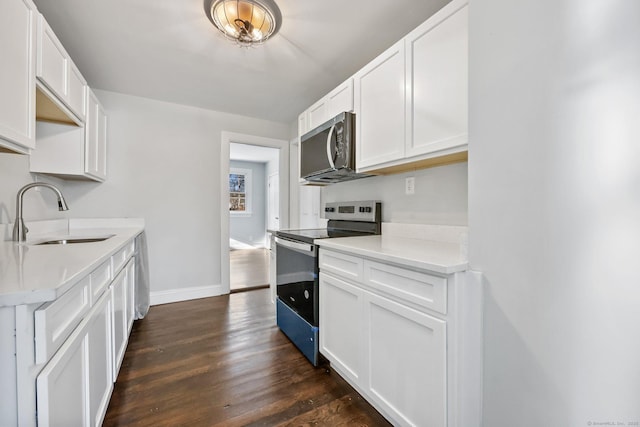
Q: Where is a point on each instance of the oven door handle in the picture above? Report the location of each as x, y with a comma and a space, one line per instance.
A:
301, 247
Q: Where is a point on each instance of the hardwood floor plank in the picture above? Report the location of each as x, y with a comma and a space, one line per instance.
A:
248, 268
222, 361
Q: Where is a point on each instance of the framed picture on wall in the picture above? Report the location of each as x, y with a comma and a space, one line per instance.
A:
240, 192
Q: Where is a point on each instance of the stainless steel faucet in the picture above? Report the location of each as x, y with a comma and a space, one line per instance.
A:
19, 229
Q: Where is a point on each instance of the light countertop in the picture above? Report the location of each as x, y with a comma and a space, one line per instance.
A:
444, 257
39, 273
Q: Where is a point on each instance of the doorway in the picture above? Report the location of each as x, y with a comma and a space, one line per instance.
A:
253, 170
252, 173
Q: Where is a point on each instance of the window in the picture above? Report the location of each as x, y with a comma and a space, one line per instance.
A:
240, 192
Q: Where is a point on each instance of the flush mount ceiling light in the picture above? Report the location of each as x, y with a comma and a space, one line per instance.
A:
247, 22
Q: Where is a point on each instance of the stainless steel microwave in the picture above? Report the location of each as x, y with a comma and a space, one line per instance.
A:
328, 152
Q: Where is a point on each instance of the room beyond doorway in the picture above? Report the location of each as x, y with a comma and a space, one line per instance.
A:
249, 269
252, 172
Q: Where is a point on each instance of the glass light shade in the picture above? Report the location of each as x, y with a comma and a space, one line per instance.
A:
245, 21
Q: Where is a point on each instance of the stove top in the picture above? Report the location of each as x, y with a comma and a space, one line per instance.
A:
346, 219
309, 235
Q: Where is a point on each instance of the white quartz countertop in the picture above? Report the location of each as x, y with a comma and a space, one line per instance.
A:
32, 273
435, 256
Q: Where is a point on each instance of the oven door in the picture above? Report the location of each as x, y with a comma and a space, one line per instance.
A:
297, 277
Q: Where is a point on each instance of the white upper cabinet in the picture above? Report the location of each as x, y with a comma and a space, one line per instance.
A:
318, 113
72, 152
437, 61
379, 105
339, 100
17, 75
95, 144
411, 102
335, 102
59, 79
303, 123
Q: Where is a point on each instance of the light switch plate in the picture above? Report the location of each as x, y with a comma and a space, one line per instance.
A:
410, 186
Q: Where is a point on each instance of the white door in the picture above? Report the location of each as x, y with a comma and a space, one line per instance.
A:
273, 208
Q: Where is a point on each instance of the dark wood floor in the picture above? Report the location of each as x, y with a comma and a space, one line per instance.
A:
222, 362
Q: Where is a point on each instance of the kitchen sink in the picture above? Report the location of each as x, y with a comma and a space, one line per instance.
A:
70, 240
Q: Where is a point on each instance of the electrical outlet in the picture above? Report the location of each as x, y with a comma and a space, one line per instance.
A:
410, 186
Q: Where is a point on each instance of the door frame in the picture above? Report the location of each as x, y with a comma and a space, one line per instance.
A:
283, 170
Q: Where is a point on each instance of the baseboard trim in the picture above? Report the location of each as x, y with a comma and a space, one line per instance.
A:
185, 294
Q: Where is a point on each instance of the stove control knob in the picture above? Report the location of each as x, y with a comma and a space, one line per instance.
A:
367, 209
361, 209
329, 209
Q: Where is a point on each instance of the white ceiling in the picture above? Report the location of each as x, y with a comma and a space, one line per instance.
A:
253, 153
168, 50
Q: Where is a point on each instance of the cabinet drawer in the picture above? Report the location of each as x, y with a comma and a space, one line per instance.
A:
413, 287
119, 259
55, 320
343, 265
100, 278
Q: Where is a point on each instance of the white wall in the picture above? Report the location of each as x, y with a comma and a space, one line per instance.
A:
251, 230
14, 173
163, 165
554, 208
440, 195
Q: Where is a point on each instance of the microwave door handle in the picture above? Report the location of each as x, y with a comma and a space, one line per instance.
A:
329, 153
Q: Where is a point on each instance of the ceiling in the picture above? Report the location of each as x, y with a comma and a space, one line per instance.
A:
253, 153
168, 50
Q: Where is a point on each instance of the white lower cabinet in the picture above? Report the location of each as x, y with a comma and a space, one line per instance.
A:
100, 381
74, 379
75, 386
121, 288
406, 356
394, 333
62, 384
341, 319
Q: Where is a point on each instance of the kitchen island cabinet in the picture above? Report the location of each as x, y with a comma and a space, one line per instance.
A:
403, 327
64, 310
18, 23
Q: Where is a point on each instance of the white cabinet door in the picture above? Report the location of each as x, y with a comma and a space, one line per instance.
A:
17, 75
120, 322
100, 359
340, 324
437, 61
131, 302
53, 65
76, 93
379, 103
62, 384
407, 369
95, 161
317, 114
303, 123
340, 99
